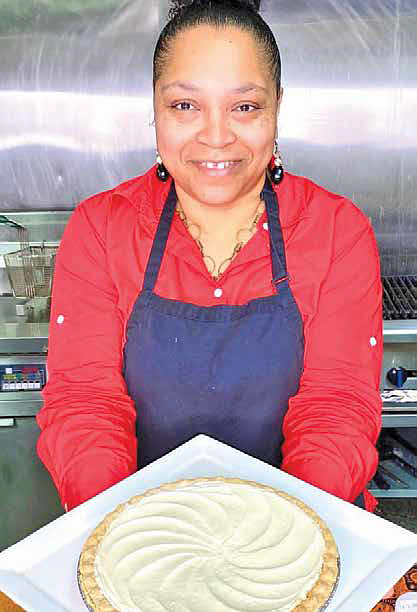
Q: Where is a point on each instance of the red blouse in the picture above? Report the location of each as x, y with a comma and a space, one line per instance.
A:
88, 440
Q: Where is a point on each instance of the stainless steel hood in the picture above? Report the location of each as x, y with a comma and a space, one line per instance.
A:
76, 103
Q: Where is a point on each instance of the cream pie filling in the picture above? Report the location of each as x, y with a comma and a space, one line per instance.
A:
211, 545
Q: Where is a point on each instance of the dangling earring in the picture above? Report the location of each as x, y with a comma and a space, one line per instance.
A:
161, 172
277, 171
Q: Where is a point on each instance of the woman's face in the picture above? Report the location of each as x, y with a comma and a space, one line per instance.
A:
216, 112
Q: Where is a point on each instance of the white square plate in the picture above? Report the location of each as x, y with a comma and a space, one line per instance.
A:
39, 573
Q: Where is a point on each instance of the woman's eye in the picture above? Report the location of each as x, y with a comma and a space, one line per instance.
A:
184, 106
246, 108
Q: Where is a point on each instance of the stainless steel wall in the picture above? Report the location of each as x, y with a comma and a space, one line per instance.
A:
76, 103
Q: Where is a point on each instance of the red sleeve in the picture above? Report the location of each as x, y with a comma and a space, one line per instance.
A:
333, 422
88, 440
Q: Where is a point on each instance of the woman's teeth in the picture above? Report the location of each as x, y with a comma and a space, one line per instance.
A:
217, 165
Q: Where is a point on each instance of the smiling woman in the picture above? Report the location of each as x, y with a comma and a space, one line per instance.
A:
215, 130
215, 294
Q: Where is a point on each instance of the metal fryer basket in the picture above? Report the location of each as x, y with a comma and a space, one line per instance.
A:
30, 270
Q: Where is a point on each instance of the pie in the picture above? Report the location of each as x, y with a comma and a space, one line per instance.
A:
210, 545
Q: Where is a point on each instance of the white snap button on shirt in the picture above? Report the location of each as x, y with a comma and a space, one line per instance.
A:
265, 225
218, 292
60, 319
372, 341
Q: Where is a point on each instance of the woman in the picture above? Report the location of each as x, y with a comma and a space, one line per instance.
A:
215, 294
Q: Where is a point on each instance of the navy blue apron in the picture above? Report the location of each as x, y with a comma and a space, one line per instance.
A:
225, 371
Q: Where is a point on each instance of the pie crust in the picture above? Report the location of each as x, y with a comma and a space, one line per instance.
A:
315, 600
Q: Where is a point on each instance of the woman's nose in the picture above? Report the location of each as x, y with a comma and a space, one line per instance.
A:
216, 130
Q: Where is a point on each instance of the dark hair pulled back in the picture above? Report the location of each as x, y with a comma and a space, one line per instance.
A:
241, 14
180, 5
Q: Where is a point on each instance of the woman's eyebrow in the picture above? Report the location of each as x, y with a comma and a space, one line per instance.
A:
181, 85
249, 87
245, 88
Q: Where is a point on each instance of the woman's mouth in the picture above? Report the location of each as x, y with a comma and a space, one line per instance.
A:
218, 168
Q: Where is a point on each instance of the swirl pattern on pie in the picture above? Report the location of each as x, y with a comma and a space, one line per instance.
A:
210, 545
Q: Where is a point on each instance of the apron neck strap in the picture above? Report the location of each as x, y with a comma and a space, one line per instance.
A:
160, 240
276, 240
268, 195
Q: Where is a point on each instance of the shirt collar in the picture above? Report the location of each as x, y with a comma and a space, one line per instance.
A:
148, 194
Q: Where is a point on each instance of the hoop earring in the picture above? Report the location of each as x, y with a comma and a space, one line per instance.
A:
277, 171
161, 172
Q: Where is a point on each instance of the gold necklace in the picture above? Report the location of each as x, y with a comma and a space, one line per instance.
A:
242, 237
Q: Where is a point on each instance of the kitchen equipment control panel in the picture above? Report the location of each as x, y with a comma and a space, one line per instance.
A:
22, 377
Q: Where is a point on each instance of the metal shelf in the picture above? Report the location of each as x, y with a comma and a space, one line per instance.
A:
27, 406
396, 489
391, 493
23, 338
399, 414
402, 419
400, 331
